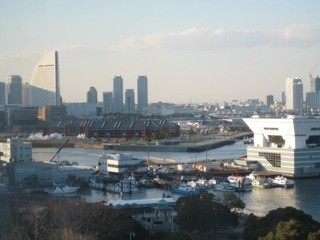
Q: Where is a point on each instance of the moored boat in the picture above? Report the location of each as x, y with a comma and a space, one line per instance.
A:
252, 176
281, 181
117, 188
61, 189
224, 187
261, 183
146, 184
185, 190
96, 184
212, 182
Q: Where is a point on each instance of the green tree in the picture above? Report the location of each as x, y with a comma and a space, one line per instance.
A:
201, 213
269, 223
232, 201
314, 235
291, 230
64, 220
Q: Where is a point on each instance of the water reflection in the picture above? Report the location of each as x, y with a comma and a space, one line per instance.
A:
305, 195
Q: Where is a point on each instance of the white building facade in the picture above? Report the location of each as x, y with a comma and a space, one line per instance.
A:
294, 94
120, 164
16, 150
290, 146
45, 81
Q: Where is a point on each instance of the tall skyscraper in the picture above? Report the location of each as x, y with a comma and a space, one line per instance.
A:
269, 100
3, 93
14, 89
283, 97
117, 94
314, 83
313, 100
129, 101
142, 83
92, 95
45, 81
107, 102
294, 94
26, 94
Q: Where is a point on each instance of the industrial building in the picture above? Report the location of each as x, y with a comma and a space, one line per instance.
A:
290, 146
43, 174
111, 129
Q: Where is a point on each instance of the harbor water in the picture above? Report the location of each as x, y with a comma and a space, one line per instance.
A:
305, 195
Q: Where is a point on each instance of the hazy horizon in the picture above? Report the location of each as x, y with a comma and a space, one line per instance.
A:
199, 51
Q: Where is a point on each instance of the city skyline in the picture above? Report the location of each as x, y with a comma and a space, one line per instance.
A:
213, 51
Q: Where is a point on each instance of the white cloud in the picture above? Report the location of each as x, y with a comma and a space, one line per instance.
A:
208, 39
34, 54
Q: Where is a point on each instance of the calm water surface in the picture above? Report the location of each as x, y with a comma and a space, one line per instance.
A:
305, 195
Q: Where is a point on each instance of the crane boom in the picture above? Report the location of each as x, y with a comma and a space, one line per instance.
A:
59, 150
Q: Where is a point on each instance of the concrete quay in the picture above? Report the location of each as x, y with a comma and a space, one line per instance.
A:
201, 146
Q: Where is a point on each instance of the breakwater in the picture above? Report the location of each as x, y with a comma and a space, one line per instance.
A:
185, 147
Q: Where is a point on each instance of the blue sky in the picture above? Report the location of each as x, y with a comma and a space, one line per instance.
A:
204, 51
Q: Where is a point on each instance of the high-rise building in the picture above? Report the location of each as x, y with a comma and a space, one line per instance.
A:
314, 83
2, 93
92, 95
129, 101
26, 94
14, 89
117, 94
142, 83
45, 81
107, 102
269, 100
283, 97
313, 100
294, 94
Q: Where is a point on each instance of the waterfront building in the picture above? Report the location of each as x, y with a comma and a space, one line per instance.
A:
121, 164
269, 101
289, 146
294, 95
50, 113
314, 83
45, 81
129, 101
107, 102
142, 86
92, 95
15, 150
117, 94
3, 100
14, 89
44, 174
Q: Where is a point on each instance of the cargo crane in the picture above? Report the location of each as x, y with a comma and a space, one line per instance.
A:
65, 143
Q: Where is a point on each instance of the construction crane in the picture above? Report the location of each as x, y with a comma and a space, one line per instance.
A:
51, 160
311, 71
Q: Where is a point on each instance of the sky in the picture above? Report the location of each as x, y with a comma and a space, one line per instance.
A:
191, 50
